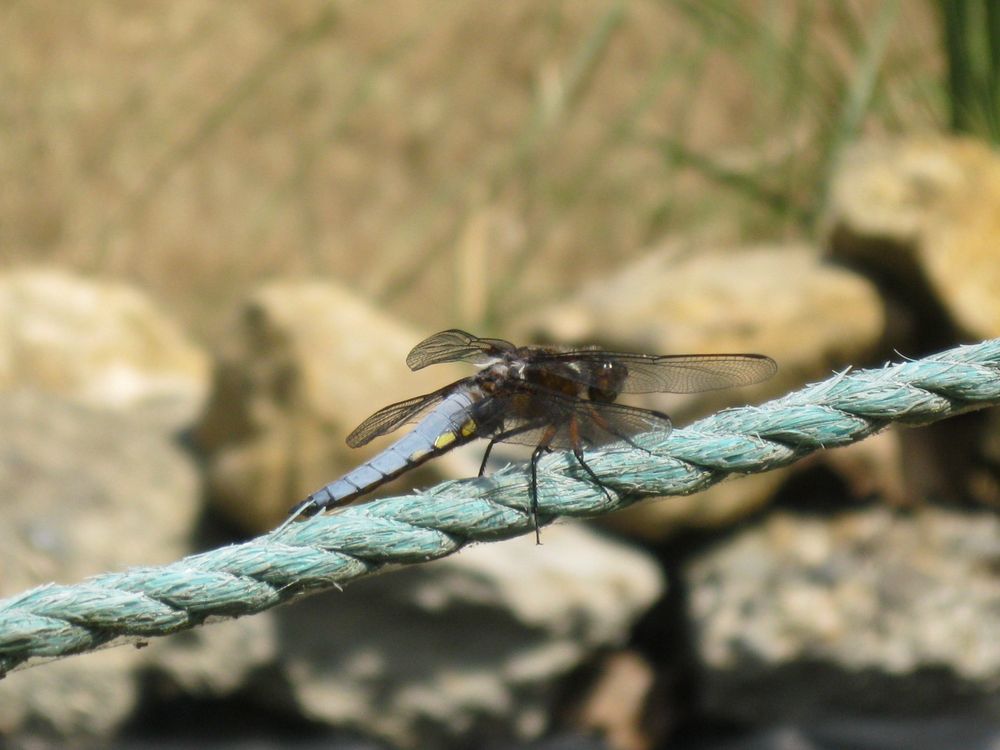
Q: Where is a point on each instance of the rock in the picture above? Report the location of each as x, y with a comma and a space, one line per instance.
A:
784, 301
808, 618
938, 732
719, 506
80, 697
215, 661
83, 491
617, 701
923, 214
307, 363
101, 343
878, 467
467, 646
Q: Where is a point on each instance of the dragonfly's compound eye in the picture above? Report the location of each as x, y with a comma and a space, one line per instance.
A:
608, 381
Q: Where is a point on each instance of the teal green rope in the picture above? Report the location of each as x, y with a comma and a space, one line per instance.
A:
330, 550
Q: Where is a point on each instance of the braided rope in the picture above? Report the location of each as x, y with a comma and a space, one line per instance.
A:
327, 551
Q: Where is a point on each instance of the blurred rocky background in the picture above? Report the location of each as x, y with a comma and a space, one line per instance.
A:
223, 225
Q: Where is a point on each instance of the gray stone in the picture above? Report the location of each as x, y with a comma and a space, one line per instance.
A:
475, 643
871, 611
83, 491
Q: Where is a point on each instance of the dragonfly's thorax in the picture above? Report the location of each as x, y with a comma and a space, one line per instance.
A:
555, 377
593, 380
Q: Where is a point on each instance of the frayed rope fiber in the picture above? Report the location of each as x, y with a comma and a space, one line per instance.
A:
327, 551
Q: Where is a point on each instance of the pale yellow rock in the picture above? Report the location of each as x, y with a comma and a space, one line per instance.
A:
783, 301
306, 364
926, 213
98, 342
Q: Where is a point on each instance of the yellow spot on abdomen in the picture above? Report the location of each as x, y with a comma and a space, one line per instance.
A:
444, 440
468, 428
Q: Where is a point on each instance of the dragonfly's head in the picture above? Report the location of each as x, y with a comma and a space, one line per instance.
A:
607, 378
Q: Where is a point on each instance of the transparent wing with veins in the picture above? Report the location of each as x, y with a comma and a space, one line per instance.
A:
667, 373
531, 413
644, 373
390, 418
454, 345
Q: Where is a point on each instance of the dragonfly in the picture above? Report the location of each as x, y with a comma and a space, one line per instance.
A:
546, 397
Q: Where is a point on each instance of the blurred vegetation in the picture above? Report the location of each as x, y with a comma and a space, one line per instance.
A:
971, 31
456, 162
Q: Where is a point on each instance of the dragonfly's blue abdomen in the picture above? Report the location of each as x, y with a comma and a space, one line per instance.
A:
450, 424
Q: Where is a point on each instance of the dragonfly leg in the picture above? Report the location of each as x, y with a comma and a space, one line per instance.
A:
543, 447
486, 455
536, 454
577, 443
590, 472
502, 436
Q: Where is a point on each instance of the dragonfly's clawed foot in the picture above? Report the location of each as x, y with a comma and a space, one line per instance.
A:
594, 478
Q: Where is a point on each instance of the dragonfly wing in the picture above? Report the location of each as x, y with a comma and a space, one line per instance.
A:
602, 422
455, 345
669, 373
578, 422
394, 416
694, 373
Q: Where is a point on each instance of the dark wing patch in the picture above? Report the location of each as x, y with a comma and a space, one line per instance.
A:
455, 345
394, 416
602, 422
670, 373
593, 423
